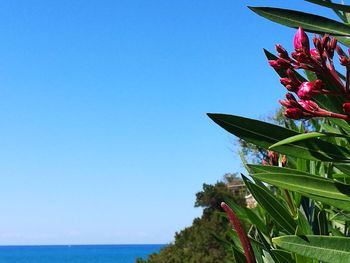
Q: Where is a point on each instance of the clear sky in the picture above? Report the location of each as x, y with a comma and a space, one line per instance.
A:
103, 132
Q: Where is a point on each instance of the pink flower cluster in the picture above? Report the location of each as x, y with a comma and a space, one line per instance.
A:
318, 60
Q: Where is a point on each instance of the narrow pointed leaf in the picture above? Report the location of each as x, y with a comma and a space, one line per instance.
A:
331, 5
342, 204
344, 40
343, 167
309, 22
326, 248
282, 256
269, 202
265, 134
314, 185
256, 168
306, 136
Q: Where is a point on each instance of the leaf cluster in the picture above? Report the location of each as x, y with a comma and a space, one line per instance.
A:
303, 207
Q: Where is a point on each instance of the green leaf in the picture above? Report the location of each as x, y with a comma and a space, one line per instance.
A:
341, 124
344, 40
330, 201
343, 167
337, 8
318, 188
309, 22
331, 5
257, 168
272, 205
256, 221
265, 134
314, 185
341, 216
306, 136
304, 227
282, 256
325, 248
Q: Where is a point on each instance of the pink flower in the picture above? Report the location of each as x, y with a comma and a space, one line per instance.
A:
301, 41
307, 89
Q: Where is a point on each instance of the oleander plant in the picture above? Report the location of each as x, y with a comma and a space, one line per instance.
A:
302, 188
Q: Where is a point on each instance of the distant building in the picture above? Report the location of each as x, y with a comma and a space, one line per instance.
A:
238, 188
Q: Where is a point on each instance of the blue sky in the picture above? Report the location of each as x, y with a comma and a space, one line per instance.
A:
103, 132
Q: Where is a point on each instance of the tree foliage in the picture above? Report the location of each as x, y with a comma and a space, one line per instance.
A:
199, 242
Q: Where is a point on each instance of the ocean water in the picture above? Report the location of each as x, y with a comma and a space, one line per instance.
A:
76, 253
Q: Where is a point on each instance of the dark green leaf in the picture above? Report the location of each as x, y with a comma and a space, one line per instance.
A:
265, 134
273, 206
339, 7
282, 256
343, 167
309, 22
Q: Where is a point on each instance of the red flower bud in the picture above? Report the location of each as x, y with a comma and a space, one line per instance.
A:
301, 57
279, 64
294, 113
285, 81
324, 41
344, 61
290, 96
346, 108
282, 53
340, 51
301, 41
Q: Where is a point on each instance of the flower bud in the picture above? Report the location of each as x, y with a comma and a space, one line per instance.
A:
282, 53
291, 75
346, 108
333, 43
290, 96
301, 57
301, 41
279, 64
318, 84
340, 51
294, 113
324, 41
344, 61
285, 81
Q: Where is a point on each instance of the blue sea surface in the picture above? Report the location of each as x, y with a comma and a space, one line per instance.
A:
76, 253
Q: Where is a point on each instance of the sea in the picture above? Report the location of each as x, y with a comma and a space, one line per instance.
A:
76, 253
